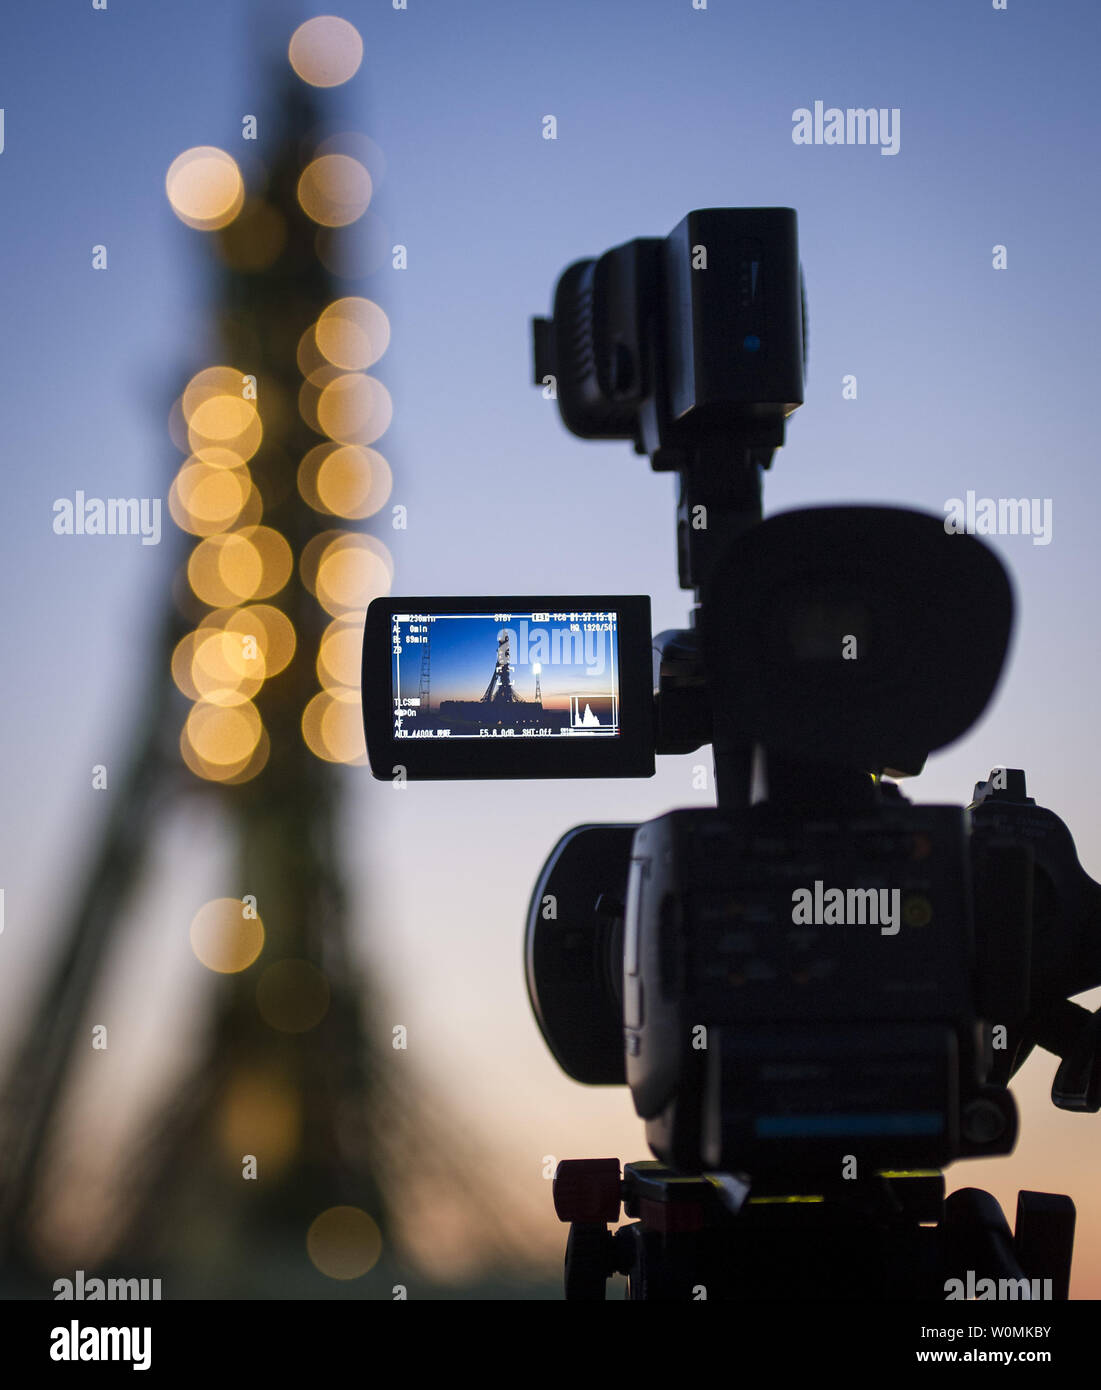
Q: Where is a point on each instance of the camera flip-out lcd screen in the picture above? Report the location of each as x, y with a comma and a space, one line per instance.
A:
517, 687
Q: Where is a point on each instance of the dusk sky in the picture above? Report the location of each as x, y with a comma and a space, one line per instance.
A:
967, 378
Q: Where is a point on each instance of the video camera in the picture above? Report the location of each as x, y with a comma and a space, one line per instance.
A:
814, 981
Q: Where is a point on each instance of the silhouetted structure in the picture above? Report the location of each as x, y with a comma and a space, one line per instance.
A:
314, 1105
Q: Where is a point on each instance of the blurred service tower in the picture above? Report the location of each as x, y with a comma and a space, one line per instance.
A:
252, 705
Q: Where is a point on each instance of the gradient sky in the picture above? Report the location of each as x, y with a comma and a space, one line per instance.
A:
968, 378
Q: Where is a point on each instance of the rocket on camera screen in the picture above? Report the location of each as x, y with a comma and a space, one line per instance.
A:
522, 675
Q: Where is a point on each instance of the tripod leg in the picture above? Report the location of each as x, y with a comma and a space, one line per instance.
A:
1044, 1237
590, 1261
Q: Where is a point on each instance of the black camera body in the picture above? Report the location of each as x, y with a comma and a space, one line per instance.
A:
769, 1019
758, 1043
815, 980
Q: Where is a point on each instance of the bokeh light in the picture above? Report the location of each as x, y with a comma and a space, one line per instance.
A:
205, 498
325, 51
355, 409
225, 774
220, 670
224, 570
345, 570
334, 190
345, 480
263, 632
353, 333
261, 1114
227, 422
351, 573
292, 996
354, 482
339, 652
311, 555
223, 736
237, 773
332, 726
224, 938
205, 188
344, 1242
211, 664
220, 417
309, 394
205, 385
